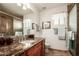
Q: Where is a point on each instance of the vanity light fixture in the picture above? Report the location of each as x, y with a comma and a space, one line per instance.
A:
28, 5
24, 6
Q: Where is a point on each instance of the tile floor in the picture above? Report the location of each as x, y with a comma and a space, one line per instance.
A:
53, 52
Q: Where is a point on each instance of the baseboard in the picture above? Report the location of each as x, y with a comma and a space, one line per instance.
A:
58, 50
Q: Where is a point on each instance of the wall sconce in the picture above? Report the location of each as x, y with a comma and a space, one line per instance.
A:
7, 26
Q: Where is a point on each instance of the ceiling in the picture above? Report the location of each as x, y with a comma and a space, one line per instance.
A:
42, 6
15, 9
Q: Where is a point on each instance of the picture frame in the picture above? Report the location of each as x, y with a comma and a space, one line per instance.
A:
55, 31
46, 25
33, 26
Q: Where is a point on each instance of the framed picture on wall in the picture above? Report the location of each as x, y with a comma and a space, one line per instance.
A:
55, 31
33, 26
46, 25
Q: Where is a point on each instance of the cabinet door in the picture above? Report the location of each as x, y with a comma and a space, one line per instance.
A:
29, 52
3, 24
6, 23
34, 51
9, 25
37, 51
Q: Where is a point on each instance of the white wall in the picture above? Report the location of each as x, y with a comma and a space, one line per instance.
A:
48, 34
51, 38
34, 17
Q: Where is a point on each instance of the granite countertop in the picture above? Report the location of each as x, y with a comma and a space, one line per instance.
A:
17, 48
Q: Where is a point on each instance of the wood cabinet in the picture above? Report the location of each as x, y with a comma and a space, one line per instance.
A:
36, 50
6, 24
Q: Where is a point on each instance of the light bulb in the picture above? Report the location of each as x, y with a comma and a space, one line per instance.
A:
28, 5
24, 7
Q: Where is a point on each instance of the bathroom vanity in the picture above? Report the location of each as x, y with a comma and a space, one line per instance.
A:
34, 47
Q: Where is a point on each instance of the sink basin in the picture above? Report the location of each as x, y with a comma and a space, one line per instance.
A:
27, 43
